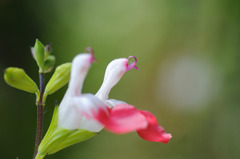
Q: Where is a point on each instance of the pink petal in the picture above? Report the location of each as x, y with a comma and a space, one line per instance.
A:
153, 132
123, 118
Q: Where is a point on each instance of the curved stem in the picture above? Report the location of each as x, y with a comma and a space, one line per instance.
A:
40, 109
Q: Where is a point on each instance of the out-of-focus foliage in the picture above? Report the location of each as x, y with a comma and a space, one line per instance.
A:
188, 55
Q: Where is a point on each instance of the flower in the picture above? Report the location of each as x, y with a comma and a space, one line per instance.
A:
92, 113
80, 116
124, 118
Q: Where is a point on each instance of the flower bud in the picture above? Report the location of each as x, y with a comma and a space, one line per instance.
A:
17, 78
48, 64
39, 52
60, 77
48, 50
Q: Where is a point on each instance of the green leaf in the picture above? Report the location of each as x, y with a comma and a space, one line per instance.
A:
55, 138
39, 156
75, 137
39, 52
48, 64
60, 77
17, 78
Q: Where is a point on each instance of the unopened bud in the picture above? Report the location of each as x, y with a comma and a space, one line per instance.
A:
48, 64
48, 50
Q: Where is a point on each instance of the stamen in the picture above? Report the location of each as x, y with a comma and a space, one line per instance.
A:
132, 65
90, 50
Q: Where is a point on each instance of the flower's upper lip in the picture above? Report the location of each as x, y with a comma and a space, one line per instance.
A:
133, 65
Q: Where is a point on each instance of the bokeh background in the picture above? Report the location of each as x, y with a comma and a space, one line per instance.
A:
188, 53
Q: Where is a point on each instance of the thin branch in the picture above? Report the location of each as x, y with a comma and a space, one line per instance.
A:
39, 115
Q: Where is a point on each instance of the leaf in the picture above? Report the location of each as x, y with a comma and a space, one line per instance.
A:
17, 78
39, 52
75, 137
60, 77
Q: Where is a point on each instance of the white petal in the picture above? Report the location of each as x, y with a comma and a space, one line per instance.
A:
78, 113
68, 117
114, 72
90, 125
80, 66
86, 104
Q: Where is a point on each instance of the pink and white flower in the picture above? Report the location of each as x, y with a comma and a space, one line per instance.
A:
86, 111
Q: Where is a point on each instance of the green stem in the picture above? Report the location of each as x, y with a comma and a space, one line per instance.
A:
40, 109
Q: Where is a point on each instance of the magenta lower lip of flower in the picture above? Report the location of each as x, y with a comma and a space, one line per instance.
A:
153, 132
124, 118
133, 65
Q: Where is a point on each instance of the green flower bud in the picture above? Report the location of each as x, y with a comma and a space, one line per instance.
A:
48, 50
39, 52
60, 77
58, 138
17, 78
48, 64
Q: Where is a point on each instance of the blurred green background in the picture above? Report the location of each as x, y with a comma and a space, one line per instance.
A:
188, 54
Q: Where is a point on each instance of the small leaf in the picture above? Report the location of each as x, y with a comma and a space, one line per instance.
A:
17, 78
60, 77
39, 52
48, 64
